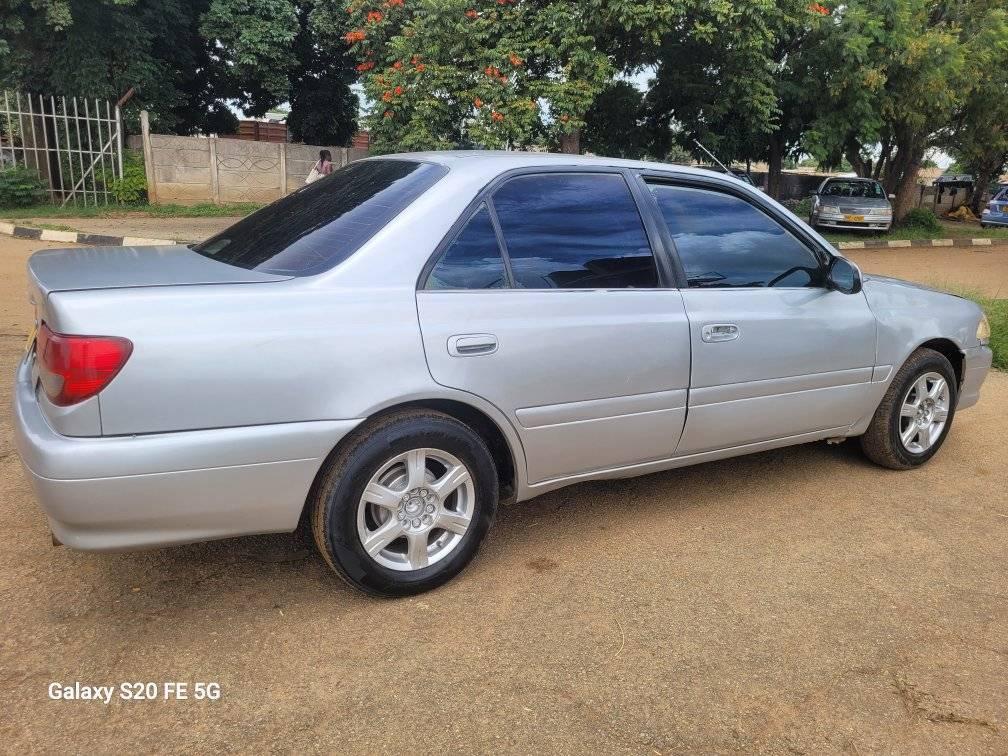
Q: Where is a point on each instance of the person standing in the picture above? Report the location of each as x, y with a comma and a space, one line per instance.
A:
322, 168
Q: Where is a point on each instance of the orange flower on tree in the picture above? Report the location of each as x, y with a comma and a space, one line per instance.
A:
389, 114
822, 10
354, 36
478, 102
471, 13
492, 71
497, 116
397, 65
393, 3
375, 17
515, 60
365, 66
398, 90
387, 96
420, 67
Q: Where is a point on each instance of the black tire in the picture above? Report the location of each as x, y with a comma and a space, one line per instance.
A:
881, 442
337, 492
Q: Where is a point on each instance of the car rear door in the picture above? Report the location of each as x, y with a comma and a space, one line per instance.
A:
548, 301
776, 354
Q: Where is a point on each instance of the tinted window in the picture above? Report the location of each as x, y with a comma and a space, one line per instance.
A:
571, 231
473, 259
724, 241
322, 224
856, 189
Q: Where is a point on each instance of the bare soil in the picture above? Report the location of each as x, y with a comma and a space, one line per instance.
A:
797, 601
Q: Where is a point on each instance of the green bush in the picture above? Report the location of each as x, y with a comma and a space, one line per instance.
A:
131, 189
922, 218
20, 187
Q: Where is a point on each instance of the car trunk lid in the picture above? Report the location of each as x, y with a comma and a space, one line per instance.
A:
90, 268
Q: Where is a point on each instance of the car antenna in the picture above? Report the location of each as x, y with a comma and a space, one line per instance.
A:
712, 157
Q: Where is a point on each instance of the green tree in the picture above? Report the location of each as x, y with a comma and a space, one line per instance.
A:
978, 134
492, 73
614, 124
894, 76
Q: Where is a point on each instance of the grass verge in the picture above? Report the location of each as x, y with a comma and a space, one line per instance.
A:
997, 314
203, 210
949, 230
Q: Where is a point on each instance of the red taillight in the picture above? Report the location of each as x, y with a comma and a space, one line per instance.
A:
75, 368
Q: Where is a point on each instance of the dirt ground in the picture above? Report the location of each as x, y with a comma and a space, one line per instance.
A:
797, 601
980, 269
176, 229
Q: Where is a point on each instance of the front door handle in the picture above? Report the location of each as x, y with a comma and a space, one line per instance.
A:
472, 344
719, 332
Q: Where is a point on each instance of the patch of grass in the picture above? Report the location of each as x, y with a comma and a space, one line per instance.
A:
997, 314
55, 227
948, 230
203, 210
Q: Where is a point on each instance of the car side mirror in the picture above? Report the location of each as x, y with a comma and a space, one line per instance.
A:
892, 196
842, 275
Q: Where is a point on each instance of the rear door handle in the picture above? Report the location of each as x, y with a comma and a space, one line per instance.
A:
719, 332
472, 344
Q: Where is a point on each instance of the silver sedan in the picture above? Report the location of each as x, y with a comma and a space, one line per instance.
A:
387, 354
851, 204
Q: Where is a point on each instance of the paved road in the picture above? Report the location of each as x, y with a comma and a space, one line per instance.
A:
798, 601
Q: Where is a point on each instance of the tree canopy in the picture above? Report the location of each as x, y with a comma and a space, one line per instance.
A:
189, 61
872, 85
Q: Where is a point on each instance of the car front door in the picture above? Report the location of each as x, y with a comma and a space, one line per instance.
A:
548, 301
776, 354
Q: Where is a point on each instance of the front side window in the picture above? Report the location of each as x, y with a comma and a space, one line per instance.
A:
473, 258
322, 224
574, 231
723, 241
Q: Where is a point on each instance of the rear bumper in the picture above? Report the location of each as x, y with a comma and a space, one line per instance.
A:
160, 489
976, 365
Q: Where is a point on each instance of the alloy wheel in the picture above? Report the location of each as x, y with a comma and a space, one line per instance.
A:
924, 412
416, 509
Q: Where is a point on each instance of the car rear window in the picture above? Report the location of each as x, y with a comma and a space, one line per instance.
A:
322, 224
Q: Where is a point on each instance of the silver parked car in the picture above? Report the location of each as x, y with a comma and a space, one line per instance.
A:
851, 204
395, 349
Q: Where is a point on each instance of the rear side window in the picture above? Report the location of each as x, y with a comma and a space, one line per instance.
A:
723, 241
574, 231
322, 224
473, 259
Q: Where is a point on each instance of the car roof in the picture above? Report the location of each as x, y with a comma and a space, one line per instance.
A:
499, 161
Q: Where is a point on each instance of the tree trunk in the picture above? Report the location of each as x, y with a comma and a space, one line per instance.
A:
981, 180
774, 165
901, 175
859, 165
570, 144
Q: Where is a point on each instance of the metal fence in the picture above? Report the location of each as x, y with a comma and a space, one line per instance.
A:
74, 145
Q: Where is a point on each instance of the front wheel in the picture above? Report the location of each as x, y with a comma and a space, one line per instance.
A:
404, 506
916, 413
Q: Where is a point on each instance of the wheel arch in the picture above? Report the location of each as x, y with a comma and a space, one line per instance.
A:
506, 449
951, 352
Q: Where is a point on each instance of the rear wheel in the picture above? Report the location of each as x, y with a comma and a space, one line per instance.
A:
916, 413
404, 506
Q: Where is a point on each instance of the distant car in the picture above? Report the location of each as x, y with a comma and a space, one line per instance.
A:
394, 348
996, 212
851, 203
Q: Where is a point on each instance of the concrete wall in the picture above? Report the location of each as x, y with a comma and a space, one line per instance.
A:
188, 170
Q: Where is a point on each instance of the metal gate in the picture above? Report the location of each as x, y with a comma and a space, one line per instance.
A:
74, 145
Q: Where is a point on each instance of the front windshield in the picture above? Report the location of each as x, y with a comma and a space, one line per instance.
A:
858, 189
